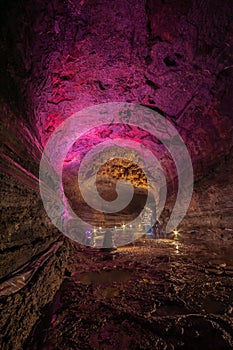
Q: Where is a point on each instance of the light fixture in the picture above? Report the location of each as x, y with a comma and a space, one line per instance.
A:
175, 232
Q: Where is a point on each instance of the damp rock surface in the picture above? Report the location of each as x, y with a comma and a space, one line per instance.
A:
155, 294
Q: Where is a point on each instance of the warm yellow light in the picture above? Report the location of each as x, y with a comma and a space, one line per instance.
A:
175, 232
123, 226
100, 228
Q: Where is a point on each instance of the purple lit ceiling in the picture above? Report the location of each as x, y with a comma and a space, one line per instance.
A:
72, 54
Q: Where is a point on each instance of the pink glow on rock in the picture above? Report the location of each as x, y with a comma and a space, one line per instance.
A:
54, 317
126, 132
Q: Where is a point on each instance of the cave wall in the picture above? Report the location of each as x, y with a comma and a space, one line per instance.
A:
210, 211
61, 56
190, 63
33, 253
21, 310
175, 58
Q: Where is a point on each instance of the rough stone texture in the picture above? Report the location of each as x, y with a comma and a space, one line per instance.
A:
25, 228
20, 311
58, 57
172, 57
191, 64
177, 58
210, 212
96, 63
157, 294
26, 233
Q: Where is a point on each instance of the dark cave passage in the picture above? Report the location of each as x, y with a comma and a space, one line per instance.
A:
149, 85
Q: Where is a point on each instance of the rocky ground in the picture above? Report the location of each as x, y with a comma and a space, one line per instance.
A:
58, 57
173, 293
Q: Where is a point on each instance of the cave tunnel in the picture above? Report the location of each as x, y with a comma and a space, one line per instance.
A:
113, 68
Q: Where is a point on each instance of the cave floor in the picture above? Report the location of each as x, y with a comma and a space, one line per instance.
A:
155, 294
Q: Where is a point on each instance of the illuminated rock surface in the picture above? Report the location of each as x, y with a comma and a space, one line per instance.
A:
58, 57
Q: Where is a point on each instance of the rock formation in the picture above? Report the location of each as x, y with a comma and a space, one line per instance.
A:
58, 57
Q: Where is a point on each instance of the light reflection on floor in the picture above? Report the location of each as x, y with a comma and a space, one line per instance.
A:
173, 293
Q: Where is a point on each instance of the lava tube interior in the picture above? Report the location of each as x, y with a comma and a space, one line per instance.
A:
116, 174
